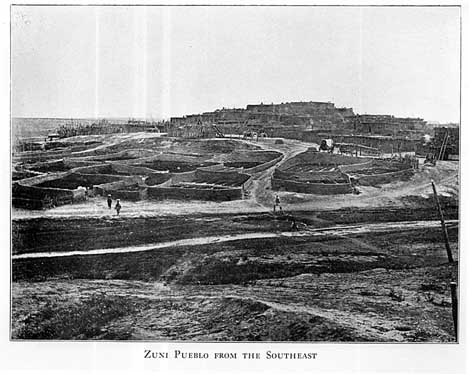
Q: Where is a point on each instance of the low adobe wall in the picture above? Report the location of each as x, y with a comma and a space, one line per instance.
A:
40, 156
247, 186
383, 144
109, 168
265, 166
32, 181
321, 160
112, 154
76, 163
177, 178
227, 178
231, 178
17, 175
49, 166
384, 178
54, 154
131, 170
31, 197
74, 180
32, 192
25, 203
335, 176
157, 178
132, 195
111, 187
92, 169
311, 188
180, 193
353, 167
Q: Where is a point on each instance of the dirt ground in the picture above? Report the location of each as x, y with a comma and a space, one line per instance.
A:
366, 267
391, 287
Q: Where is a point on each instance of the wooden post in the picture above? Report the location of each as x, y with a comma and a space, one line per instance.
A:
454, 306
443, 225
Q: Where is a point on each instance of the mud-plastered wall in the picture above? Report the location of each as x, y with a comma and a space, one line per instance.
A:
264, 166
311, 188
228, 178
354, 167
31, 197
384, 178
132, 195
206, 194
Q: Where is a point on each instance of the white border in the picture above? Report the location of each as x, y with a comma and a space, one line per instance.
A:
123, 357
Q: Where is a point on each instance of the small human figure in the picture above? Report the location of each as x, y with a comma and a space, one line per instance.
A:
277, 203
109, 201
293, 226
118, 206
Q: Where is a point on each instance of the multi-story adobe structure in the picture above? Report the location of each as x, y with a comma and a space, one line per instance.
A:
388, 125
303, 120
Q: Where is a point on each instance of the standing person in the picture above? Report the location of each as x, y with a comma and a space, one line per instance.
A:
293, 226
109, 201
118, 206
277, 203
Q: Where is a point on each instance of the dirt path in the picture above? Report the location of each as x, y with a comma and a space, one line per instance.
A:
342, 230
261, 182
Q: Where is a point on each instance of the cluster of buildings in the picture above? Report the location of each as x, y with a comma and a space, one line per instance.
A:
297, 119
106, 127
312, 121
276, 120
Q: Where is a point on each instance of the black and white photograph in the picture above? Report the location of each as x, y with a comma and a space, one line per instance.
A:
235, 174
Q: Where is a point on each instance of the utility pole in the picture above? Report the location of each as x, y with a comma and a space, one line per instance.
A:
454, 306
443, 225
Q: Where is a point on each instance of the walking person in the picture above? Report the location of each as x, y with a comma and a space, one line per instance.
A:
118, 206
109, 201
277, 203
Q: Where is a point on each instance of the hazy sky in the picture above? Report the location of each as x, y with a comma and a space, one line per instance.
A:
169, 61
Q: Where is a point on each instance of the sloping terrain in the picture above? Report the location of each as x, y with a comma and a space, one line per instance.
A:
367, 267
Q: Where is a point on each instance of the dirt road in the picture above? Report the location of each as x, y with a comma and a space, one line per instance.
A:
306, 232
